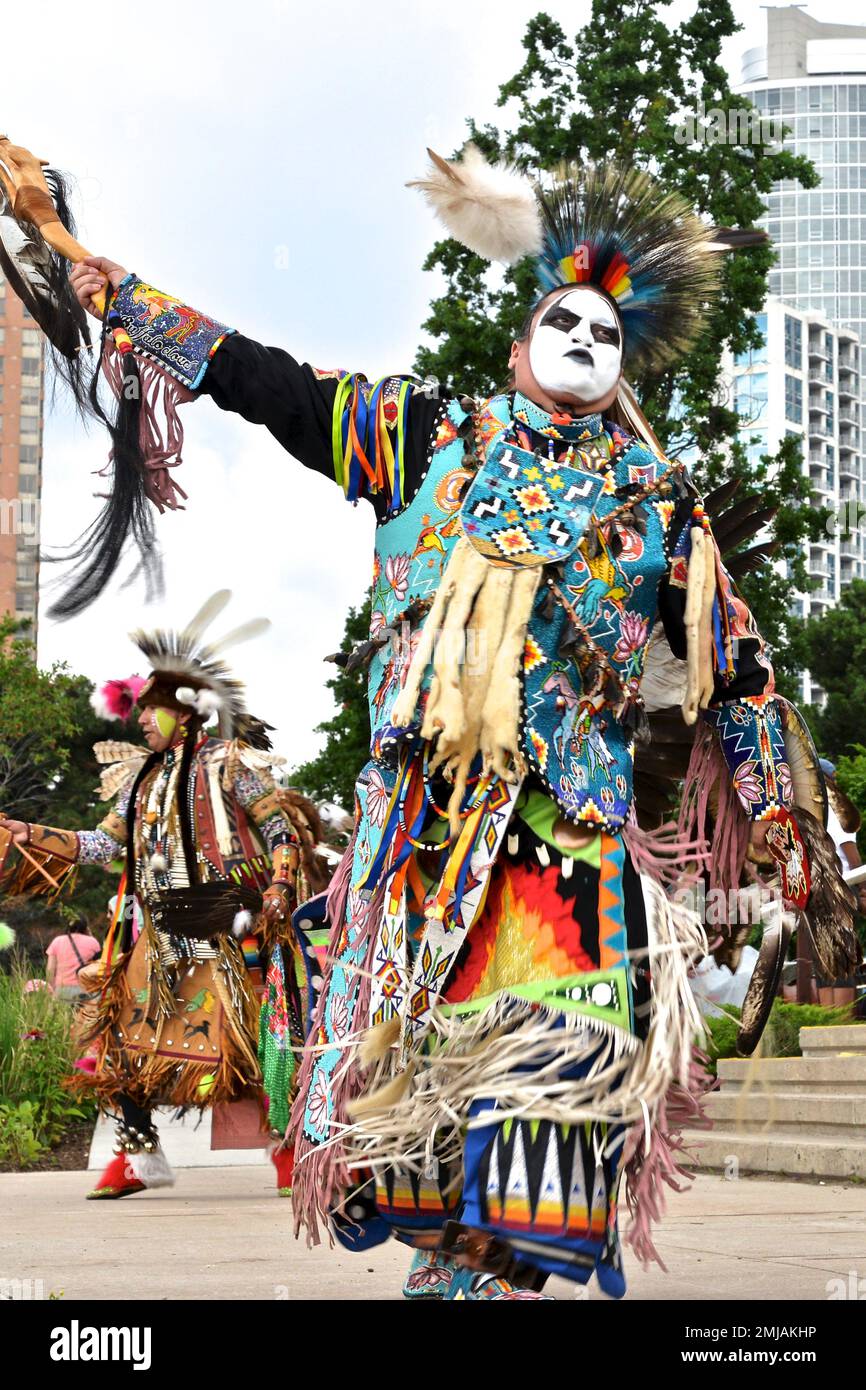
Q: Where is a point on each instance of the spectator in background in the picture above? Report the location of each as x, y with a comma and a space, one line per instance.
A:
67, 953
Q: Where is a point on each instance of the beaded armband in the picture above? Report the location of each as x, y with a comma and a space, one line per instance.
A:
115, 826
285, 863
164, 330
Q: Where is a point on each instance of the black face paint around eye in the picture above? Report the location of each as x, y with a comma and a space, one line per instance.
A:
604, 333
557, 317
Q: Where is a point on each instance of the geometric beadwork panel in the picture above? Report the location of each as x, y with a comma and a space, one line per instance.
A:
523, 510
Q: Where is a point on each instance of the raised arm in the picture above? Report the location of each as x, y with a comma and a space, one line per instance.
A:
371, 437
99, 846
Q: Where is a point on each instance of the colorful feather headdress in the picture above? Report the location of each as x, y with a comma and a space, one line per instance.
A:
188, 673
611, 228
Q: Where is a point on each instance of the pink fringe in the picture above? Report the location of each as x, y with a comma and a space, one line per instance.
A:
708, 771
648, 1173
321, 1171
161, 439
666, 854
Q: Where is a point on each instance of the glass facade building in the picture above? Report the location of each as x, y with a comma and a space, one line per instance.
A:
811, 77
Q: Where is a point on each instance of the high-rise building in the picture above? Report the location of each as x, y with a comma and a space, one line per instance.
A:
811, 77
21, 420
804, 381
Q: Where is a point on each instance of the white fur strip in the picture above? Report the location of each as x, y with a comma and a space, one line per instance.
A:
152, 1169
695, 586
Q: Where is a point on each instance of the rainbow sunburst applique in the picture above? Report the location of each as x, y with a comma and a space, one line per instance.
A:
539, 748
533, 656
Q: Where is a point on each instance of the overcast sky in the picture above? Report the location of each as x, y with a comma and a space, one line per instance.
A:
251, 158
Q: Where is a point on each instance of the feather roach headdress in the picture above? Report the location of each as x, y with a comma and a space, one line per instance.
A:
188, 673
611, 228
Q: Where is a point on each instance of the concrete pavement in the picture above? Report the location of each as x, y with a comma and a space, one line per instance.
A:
222, 1233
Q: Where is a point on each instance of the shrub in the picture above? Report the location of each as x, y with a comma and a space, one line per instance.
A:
782, 1034
36, 1056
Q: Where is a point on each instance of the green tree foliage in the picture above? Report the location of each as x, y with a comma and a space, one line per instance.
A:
833, 647
331, 775
619, 89
47, 769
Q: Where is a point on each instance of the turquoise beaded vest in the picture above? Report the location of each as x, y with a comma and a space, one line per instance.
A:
581, 754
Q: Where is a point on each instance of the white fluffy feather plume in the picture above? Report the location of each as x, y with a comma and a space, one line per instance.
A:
99, 705
491, 208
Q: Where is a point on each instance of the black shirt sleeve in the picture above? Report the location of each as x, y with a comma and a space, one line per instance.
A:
267, 386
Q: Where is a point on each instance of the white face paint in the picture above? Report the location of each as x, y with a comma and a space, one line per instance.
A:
576, 348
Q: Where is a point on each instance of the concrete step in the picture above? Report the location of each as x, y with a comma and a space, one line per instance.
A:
760, 1153
823, 1073
846, 1040
813, 1116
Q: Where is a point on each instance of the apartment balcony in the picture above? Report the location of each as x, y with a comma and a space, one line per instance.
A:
848, 417
821, 374
818, 428
849, 549
817, 352
847, 445
818, 568
817, 406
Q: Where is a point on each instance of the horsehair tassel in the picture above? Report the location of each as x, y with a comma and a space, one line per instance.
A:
695, 588
445, 715
500, 726
404, 706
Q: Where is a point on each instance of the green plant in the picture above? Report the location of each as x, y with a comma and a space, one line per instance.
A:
786, 1020
782, 1034
37, 1052
721, 1036
19, 1142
